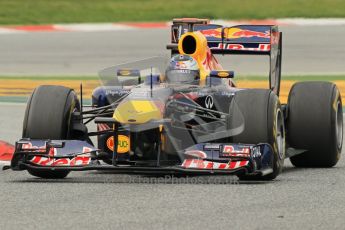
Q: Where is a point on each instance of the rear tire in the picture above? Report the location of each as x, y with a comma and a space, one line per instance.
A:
264, 123
48, 115
315, 123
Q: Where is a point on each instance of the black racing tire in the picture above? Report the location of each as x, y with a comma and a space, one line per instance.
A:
315, 124
48, 116
263, 123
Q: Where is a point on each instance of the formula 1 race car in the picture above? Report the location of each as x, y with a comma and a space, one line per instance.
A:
150, 123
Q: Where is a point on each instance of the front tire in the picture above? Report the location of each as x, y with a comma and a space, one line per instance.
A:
48, 115
264, 123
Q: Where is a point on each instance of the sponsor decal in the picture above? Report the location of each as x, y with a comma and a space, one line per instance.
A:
216, 33
182, 70
223, 74
112, 92
140, 94
56, 156
230, 151
202, 164
261, 47
256, 152
47, 161
42, 149
123, 144
239, 33
234, 33
29, 146
209, 102
124, 72
128, 72
228, 94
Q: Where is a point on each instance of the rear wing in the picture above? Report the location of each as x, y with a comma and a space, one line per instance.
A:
241, 39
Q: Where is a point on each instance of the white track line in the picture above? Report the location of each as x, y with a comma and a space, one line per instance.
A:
10, 31
5, 162
312, 22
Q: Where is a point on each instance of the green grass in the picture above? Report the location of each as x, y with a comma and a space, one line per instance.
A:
68, 11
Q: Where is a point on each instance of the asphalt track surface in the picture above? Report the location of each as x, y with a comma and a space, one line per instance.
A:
306, 49
297, 199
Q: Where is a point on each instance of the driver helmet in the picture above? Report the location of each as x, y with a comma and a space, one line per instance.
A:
182, 69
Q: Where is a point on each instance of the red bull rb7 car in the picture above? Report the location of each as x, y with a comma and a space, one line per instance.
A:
185, 115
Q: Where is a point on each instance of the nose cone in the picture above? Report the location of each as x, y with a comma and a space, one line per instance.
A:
137, 112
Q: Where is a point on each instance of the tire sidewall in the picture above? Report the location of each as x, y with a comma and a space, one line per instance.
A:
259, 108
274, 108
336, 98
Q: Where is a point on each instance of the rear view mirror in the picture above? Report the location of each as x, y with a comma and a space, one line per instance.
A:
126, 76
128, 73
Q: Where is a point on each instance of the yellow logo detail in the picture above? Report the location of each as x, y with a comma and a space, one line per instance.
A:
123, 144
223, 74
125, 72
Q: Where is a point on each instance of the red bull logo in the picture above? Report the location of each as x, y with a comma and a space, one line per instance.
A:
249, 34
216, 33
233, 33
76, 161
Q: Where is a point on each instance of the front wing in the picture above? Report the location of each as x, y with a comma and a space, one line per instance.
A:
205, 158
